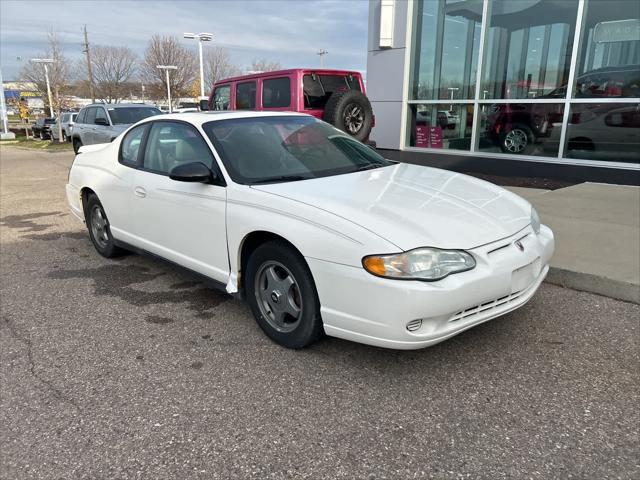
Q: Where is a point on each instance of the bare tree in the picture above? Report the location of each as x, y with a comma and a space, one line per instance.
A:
217, 66
264, 65
166, 50
113, 69
59, 73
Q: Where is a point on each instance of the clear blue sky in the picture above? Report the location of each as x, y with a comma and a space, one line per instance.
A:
289, 32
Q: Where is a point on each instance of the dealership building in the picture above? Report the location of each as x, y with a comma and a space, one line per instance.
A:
518, 87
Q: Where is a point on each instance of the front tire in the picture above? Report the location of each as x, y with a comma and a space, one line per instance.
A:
99, 230
517, 139
76, 145
282, 295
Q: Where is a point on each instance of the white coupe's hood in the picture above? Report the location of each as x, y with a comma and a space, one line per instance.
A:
414, 206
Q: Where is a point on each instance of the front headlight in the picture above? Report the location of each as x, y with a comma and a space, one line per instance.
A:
535, 221
426, 263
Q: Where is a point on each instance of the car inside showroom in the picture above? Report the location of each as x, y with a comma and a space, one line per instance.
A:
536, 81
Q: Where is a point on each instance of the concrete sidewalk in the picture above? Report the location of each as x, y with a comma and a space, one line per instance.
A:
597, 230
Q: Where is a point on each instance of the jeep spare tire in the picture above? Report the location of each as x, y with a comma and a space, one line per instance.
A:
351, 112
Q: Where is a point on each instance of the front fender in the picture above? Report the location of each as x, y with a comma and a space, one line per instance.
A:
314, 232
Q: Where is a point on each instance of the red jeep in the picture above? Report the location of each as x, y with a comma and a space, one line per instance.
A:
335, 96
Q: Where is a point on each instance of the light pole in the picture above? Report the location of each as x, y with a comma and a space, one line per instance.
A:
322, 52
45, 62
452, 89
6, 134
202, 37
166, 69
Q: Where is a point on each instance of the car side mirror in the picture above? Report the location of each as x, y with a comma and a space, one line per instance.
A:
102, 121
193, 172
204, 105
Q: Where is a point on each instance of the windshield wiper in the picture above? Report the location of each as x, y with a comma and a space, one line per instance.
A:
282, 178
368, 166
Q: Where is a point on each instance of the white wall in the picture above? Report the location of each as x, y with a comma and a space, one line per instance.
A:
386, 72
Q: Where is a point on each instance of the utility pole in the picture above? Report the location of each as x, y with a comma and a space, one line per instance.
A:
89, 68
322, 52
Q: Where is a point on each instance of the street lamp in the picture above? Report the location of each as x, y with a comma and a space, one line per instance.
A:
322, 52
166, 69
6, 134
46, 62
202, 37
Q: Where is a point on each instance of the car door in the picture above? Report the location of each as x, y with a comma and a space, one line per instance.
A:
102, 127
181, 221
87, 134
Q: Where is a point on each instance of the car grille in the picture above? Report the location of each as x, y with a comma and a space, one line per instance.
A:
493, 304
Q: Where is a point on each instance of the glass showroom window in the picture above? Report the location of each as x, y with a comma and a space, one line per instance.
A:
446, 42
441, 126
608, 72
528, 49
609, 60
521, 128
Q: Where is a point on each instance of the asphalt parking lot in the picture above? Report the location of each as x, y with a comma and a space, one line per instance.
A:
134, 369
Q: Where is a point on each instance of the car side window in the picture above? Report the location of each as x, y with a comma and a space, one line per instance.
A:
130, 146
246, 96
276, 92
222, 97
90, 117
174, 143
81, 115
101, 115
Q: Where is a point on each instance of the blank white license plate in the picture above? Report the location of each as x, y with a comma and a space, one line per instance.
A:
524, 276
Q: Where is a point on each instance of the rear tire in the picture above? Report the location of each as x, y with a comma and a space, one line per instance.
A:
282, 295
351, 112
76, 145
99, 229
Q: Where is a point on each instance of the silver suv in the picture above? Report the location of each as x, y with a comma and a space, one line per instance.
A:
101, 123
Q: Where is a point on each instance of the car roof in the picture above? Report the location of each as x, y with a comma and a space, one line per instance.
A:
198, 118
290, 71
121, 105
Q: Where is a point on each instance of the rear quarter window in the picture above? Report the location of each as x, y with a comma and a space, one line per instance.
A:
276, 92
246, 96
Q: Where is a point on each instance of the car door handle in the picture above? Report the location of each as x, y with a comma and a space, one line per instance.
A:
140, 192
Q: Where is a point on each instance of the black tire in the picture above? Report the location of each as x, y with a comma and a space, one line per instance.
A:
41, 135
64, 137
76, 145
516, 139
298, 332
100, 237
351, 112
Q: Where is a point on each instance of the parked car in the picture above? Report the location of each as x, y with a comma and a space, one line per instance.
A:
68, 120
515, 126
602, 131
317, 231
336, 96
42, 127
101, 123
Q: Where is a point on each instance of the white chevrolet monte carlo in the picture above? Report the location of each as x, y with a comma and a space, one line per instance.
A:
317, 231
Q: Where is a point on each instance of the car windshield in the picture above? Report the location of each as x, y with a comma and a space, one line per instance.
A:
287, 148
49, 120
129, 115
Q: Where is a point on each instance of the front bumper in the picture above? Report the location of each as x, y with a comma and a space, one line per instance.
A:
357, 306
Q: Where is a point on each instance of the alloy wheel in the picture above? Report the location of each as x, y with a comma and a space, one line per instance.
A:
353, 118
278, 296
99, 227
516, 140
